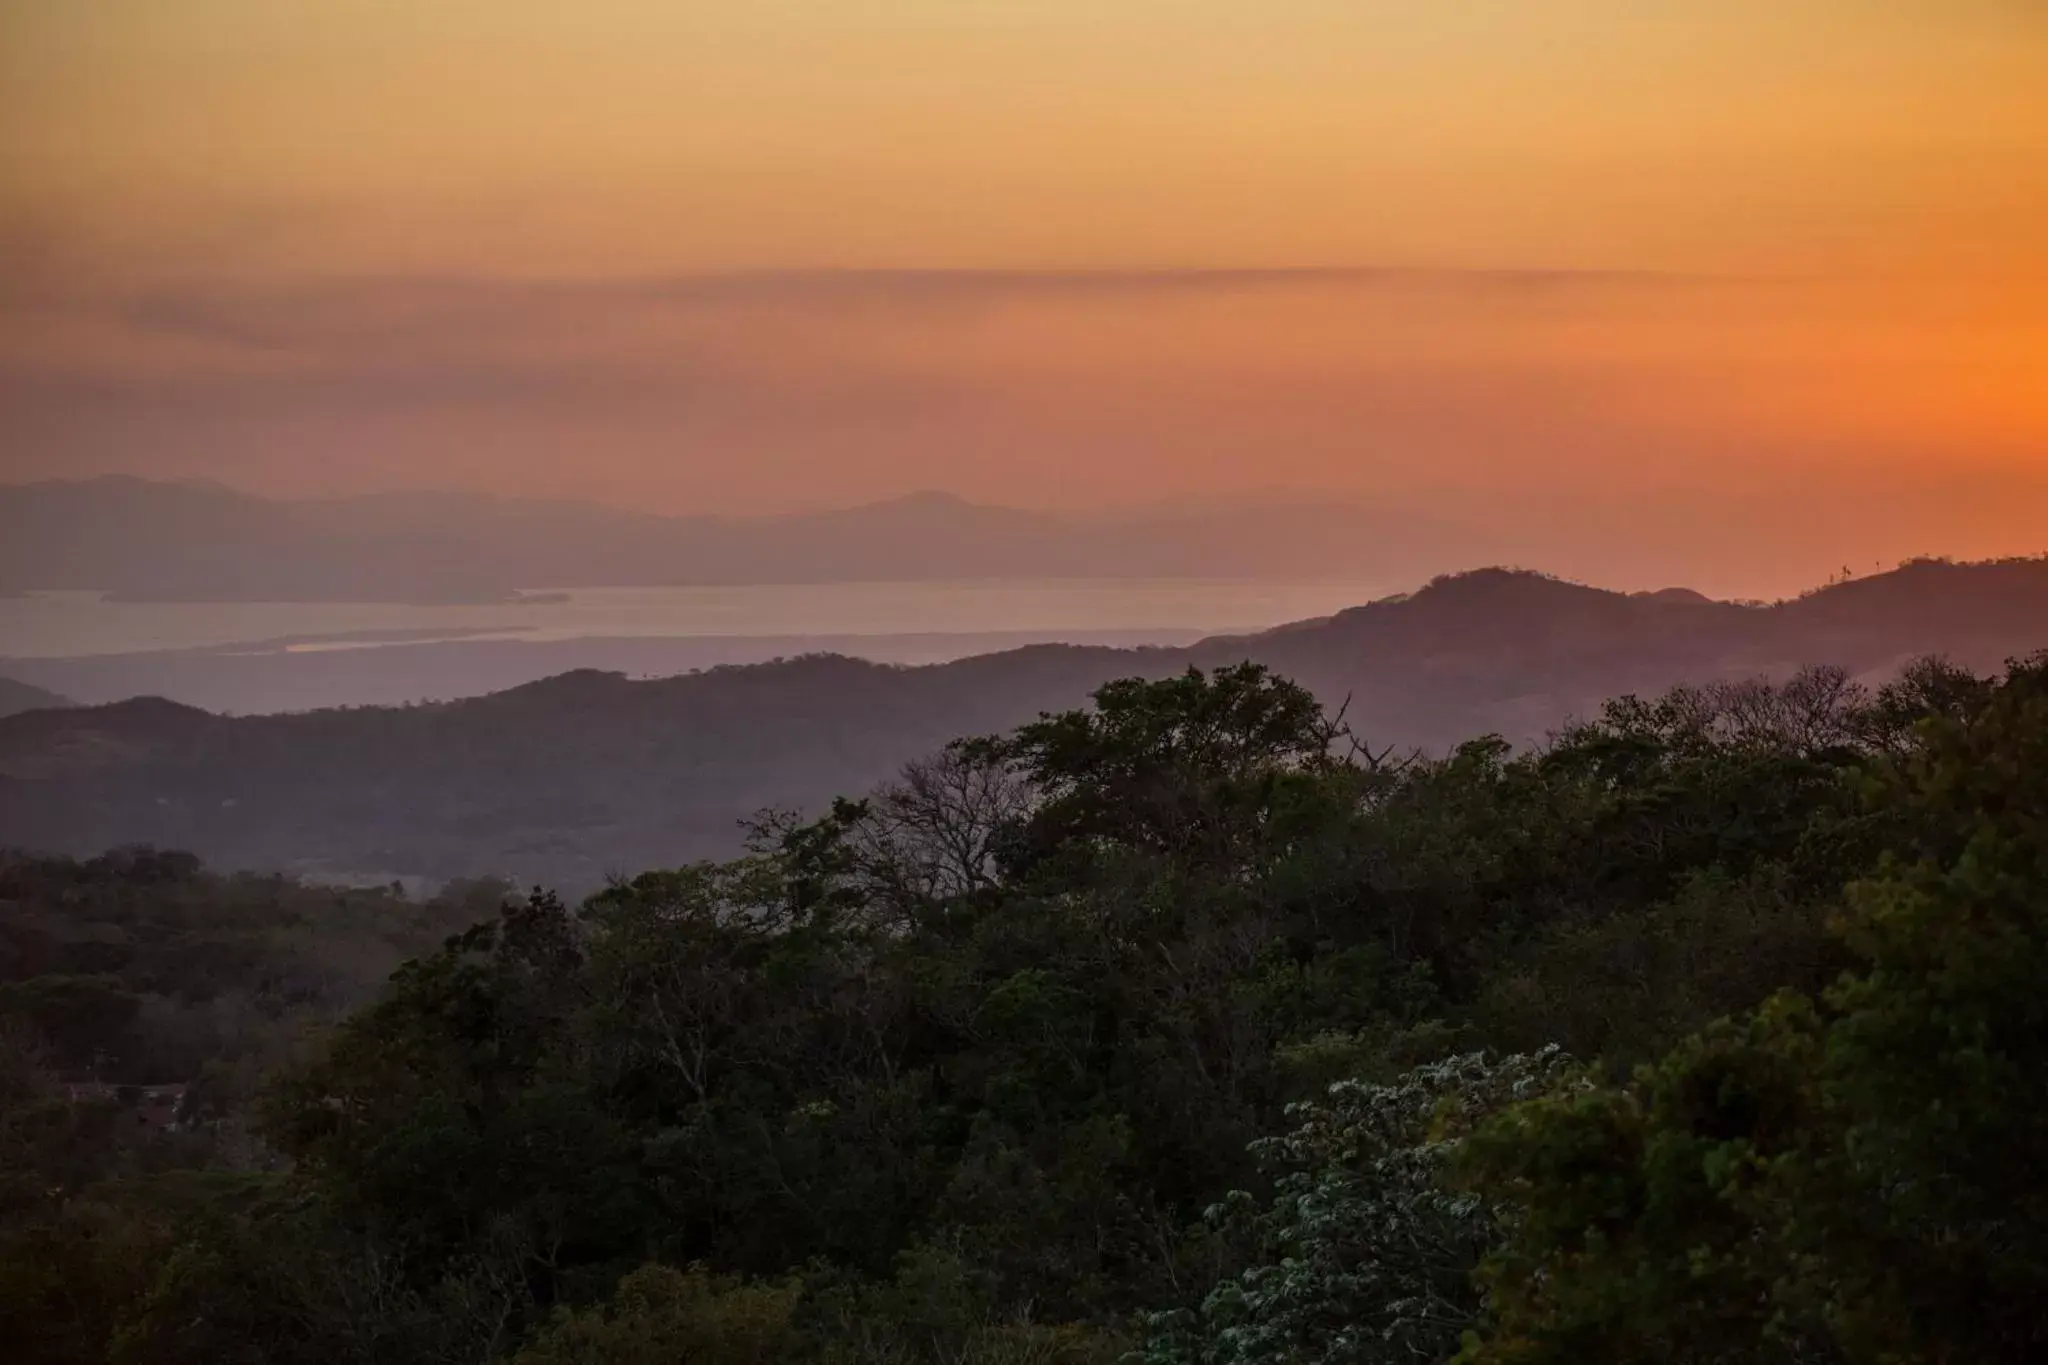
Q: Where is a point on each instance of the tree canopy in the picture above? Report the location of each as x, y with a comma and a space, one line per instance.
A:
1185, 1029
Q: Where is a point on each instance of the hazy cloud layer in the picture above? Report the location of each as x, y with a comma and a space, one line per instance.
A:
1786, 259
1622, 426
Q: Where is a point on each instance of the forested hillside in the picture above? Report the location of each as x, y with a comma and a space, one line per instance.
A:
1184, 1028
587, 775
140, 967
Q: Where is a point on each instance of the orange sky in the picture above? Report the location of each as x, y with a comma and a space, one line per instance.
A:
774, 254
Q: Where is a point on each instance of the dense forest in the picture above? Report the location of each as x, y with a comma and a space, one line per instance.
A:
1188, 1027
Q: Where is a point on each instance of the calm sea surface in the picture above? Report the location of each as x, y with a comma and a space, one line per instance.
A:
54, 625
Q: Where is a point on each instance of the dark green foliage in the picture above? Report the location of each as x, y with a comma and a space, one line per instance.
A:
987, 1067
660, 1316
1202, 772
140, 966
1852, 1178
1364, 1254
136, 969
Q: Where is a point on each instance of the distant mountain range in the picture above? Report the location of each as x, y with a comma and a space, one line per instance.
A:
151, 541
16, 697
264, 676
572, 778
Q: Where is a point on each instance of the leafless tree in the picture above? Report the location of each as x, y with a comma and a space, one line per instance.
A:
1815, 708
933, 833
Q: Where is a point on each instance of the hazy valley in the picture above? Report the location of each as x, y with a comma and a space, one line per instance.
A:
590, 774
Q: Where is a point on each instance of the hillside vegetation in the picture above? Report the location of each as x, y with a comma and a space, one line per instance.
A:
586, 775
1182, 1028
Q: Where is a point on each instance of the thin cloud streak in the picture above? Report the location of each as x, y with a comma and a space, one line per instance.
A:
288, 315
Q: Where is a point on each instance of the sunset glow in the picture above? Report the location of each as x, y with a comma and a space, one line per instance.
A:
776, 255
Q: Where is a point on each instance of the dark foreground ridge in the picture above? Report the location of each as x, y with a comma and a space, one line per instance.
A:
1171, 1030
